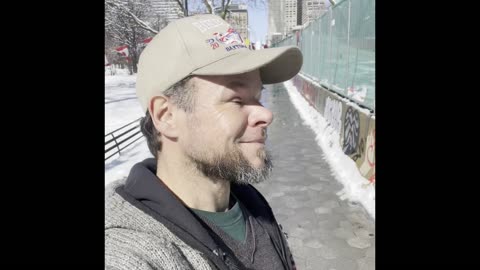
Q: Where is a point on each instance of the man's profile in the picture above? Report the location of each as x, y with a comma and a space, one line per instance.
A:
193, 205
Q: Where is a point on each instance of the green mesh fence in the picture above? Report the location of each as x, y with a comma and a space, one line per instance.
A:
339, 50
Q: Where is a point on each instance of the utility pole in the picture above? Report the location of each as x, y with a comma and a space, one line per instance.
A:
186, 8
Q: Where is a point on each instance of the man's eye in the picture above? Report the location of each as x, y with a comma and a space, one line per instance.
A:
238, 102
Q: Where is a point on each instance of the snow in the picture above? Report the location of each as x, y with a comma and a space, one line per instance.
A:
122, 107
355, 187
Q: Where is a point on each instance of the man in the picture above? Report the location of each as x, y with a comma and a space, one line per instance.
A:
193, 205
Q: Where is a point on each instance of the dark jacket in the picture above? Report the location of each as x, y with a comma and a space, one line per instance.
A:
144, 190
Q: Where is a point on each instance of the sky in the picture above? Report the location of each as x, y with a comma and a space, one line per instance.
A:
122, 107
257, 22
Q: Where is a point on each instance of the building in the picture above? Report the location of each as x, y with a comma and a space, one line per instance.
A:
167, 9
282, 17
290, 16
312, 10
275, 21
237, 17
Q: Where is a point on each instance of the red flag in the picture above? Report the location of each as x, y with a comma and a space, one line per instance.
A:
123, 50
147, 40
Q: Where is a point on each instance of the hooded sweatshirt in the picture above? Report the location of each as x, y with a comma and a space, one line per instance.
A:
148, 227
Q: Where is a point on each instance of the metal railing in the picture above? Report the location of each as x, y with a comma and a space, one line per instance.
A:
121, 138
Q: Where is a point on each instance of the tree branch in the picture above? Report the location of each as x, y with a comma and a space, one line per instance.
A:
225, 9
139, 22
209, 5
181, 5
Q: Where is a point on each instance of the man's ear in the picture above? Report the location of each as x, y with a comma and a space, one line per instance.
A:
163, 112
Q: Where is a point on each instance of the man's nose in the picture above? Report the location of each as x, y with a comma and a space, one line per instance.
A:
260, 116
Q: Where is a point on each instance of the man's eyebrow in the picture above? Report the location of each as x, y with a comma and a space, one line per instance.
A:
235, 84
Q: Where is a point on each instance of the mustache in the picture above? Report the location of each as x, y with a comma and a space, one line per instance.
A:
261, 137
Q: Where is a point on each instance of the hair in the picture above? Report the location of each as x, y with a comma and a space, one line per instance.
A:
181, 94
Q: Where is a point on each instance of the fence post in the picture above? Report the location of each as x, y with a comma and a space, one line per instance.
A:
116, 144
348, 48
329, 58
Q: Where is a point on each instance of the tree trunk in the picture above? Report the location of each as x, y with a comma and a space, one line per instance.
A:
135, 66
134, 58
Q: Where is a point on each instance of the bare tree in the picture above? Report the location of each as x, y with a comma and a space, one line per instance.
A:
119, 6
125, 24
129, 22
159, 22
206, 6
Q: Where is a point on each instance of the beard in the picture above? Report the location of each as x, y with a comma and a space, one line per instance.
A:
232, 166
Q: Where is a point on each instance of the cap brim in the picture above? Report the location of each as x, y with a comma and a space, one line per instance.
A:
276, 64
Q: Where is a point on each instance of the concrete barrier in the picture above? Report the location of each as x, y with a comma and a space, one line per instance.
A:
354, 124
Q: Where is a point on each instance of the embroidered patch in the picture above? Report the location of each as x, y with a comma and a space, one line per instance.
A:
231, 37
234, 47
212, 43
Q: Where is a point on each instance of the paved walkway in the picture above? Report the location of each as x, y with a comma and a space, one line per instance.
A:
323, 231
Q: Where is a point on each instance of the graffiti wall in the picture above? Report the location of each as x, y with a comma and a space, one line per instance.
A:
355, 127
367, 165
333, 112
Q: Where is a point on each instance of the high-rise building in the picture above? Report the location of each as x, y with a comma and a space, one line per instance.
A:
290, 16
275, 21
167, 9
312, 10
282, 17
299, 12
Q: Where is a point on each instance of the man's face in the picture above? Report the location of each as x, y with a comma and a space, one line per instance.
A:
225, 134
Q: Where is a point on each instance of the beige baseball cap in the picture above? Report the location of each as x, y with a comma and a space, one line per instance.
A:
207, 45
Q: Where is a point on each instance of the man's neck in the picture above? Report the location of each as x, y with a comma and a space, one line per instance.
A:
194, 189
